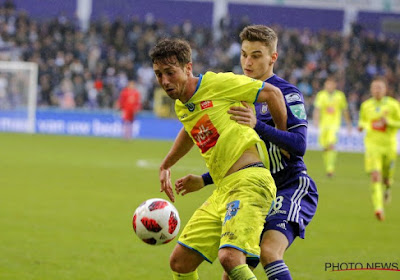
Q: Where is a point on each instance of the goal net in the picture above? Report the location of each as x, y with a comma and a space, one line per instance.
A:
18, 90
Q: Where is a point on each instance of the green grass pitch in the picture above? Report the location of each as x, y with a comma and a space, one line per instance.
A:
66, 205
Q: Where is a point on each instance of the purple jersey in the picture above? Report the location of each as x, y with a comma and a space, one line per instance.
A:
285, 170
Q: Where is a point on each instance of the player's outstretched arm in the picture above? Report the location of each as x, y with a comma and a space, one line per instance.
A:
189, 183
293, 141
276, 104
182, 145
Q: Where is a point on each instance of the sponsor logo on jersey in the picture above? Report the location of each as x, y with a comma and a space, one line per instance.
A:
330, 110
378, 125
206, 104
299, 111
190, 106
292, 97
205, 134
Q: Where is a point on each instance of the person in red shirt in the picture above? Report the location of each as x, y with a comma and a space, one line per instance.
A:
129, 103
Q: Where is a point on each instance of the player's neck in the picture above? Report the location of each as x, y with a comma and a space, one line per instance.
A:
267, 75
190, 89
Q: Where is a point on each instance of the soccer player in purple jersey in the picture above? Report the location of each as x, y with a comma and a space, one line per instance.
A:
297, 195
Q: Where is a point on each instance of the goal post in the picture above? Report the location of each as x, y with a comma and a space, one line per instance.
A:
18, 93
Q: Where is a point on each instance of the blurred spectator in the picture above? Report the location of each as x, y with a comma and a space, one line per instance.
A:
79, 89
129, 103
66, 99
3, 91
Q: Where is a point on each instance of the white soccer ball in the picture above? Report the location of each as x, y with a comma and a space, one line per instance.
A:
156, 221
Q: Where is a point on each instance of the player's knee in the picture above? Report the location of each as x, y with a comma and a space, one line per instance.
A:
226, 259
184, 260
375, 176
179, 264
230, 258
225, 276
386, 182
270, 254
176, 263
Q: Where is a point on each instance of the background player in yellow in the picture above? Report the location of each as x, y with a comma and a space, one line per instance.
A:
228, 225
380, 119
330, 103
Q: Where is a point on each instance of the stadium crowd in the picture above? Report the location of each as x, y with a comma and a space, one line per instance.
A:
88, 69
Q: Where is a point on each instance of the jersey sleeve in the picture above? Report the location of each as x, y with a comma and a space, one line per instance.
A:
343, 104
293, 141
362, 122
394, 119
122, 99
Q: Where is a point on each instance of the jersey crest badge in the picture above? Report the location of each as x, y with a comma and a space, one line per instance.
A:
190, 106
264, 108
231, 210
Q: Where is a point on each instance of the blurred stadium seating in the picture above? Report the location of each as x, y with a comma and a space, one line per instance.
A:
86, 69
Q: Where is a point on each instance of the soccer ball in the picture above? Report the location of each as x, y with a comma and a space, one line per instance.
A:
156, 221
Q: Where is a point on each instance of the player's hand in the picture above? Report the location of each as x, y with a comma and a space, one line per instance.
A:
189, 183
243, 115
166, 185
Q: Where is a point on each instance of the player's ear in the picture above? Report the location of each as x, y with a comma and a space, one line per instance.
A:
188, 68
274, 57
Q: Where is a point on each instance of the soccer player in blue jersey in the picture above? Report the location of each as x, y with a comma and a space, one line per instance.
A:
297, 195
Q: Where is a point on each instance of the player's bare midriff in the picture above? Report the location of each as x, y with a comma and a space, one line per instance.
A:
249, 156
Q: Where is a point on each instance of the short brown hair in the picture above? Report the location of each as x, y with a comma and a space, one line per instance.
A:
260, 33
380, 78
167, 49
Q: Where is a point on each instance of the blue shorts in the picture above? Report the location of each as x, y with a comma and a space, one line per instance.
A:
292, 211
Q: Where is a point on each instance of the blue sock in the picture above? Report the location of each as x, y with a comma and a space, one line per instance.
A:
277, 270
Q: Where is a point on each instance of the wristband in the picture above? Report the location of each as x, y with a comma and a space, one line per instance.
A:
207, 179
